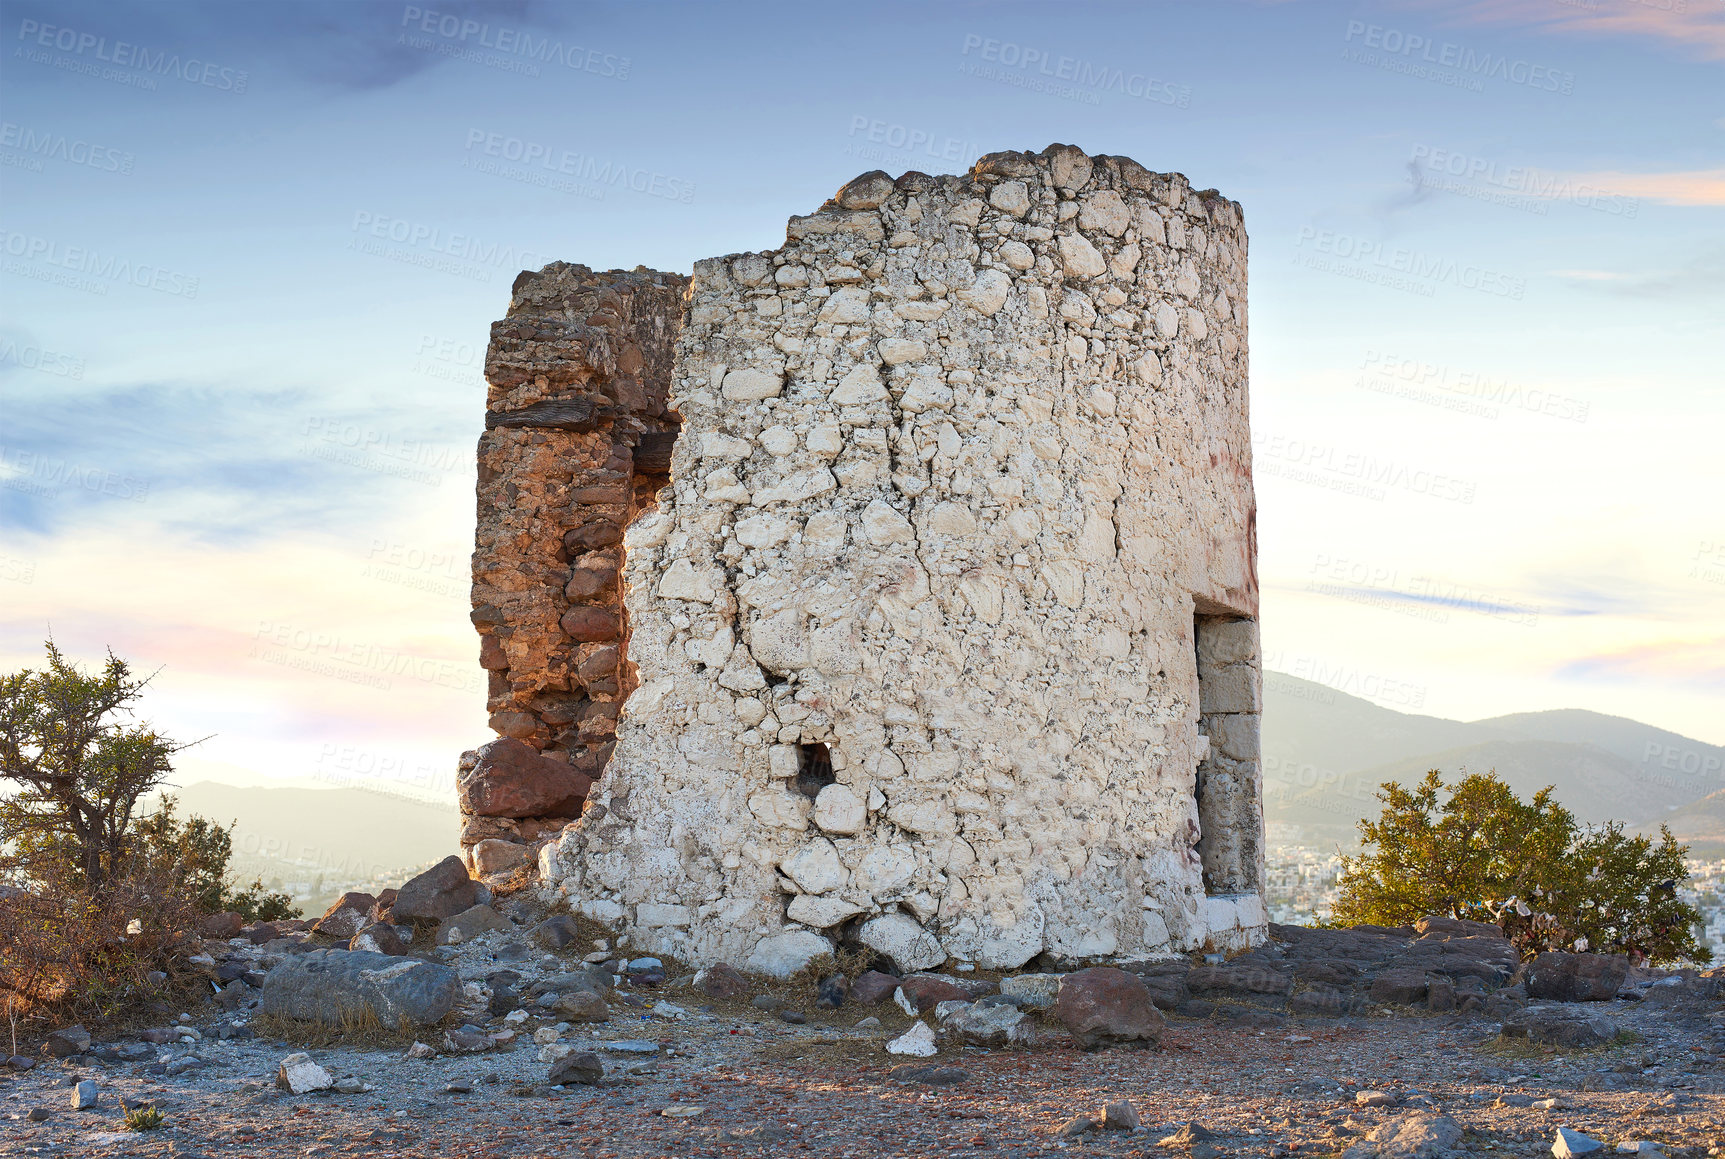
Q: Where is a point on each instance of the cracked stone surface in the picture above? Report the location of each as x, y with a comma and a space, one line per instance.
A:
959, 519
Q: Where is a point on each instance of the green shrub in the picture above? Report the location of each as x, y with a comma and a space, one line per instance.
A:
1552, 884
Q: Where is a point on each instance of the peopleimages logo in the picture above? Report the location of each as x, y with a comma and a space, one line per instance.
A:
107, 267
59, 147
1407, 48
1078, 73
123, 55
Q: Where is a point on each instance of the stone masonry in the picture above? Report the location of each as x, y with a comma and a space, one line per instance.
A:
909, 569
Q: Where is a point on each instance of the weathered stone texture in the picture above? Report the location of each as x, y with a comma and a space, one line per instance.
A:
577, 430
961, 468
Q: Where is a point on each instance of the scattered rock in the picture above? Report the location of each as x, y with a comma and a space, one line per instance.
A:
925, 1075
67, 1042
1120, 1116
918, 1042
351, 1086
466, 1040
1374, 1099
1560, 1026
682, 1111
1570, 1143
726, 983
439, 893
299, 1075
327, 985
767, 1002
1560, 977
1190, 1134
350, 914
583, 1006
39, 1114
1075, 1126
1031, 991
555, 932
923, 992
873, 985
582, 1068
993, 1025
222, 926
794, 1017
1409, 1137
869, 1023
381, 938
832, 992
469, 924
86, 1096
1103, 1006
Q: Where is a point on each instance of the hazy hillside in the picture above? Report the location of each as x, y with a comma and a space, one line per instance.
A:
316, 842
1325, 753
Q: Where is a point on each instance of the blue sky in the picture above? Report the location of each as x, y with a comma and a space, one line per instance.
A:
251, 254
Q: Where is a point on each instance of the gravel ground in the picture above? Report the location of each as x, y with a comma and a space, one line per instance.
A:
767, 1088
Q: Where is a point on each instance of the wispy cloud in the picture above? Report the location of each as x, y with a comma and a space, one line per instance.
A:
1696, 663
1703, 274
1704, 187
217, 465
1698, 27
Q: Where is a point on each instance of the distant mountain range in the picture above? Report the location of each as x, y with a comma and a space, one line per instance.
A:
1326, 752
316, 843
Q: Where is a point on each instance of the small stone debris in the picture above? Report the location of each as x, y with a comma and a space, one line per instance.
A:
86, 1096
1570, 1143
1189, 1134
68, 1042
918, 1042
1074, 1127
630, 1046
1120, 1116
582, 1068
929, 1076
299, 1075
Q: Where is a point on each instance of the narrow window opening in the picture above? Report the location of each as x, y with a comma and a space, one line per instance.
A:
814, 769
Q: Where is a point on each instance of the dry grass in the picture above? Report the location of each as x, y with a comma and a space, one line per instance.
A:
70, 957
361, 1030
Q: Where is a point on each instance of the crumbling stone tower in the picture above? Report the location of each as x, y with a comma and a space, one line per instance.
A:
894, 586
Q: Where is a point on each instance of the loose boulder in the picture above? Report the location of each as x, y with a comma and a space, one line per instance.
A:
470, 923
222, 926
299, 1075
439, 893
67, 1042
1103, 1006
583, 1068
350, 914
1560, 977
512, 779
1560, 1026
726, 983
328, 986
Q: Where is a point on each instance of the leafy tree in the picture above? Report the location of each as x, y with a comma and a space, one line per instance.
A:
79, 772
1484, 854
193, 856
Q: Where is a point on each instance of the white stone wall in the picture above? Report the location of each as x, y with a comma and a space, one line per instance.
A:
958, 464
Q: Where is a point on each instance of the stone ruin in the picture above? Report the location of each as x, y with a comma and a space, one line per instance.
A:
894, 588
